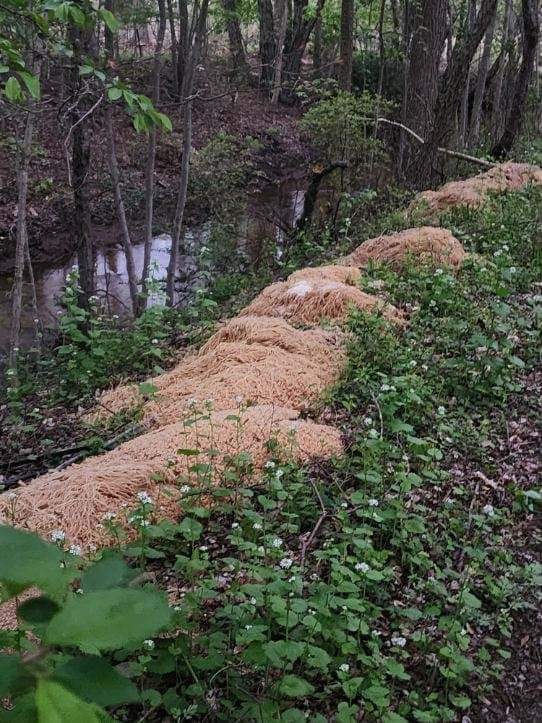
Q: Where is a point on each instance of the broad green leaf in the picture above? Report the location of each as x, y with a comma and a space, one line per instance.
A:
470, 600
190, 529
165, 122
140, 123
27, 560
110, 20
392, 717
377, 694
32, 83
111, 571
94, 680
86, 70
295, 687
55, 704
114, 93
109, 619
13, 676
461, 701
37, 610
12, 89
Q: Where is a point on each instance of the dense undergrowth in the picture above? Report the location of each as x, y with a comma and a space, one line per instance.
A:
383, 586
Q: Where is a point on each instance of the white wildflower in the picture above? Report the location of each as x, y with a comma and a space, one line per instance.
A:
203, 548
373, 434
149, 644
109, 516
257, 526
185, 489
270, 465
441, 411
367, 421
277, 542
488, 510
58, 536
239, 399
75, 550
234, 525
513, 269
344, 668
362, 567
253, 601
286, 563
248, 627
399, 641
439, 272
144, 498
373, 502
12, 496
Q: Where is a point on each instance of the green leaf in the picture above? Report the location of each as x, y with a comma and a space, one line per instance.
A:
55, 704
114, 93
110, 571
461, 701
32, 83
109, 619
110, 20
27, 560
392, 717
94, 680
470, 600
37, 610
12, 89
140, 123
165, 122
377, 694
13, 676
86, 70
190, 529
295, 687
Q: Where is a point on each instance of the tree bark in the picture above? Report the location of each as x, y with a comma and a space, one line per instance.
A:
426, 23
151, 152
295, 45
501, 66
464, 115
267, 43
190, 61
531, 34
235, 39
174, 49
21, 239
480, 88
450, 93
282, 12
346, 52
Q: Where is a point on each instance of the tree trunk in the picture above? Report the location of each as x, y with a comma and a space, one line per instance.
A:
81, 137
282, 11
183, 43
21, 239
317, 48
115, 178
464, 115
295, 45
151, 152
427, 27
174, 49
346, 52
449, 96
479, 91
190, 61
235, 39
531, 34
267, 43
496, 113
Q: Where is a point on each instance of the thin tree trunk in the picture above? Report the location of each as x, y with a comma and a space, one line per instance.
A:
531, 34
21, 239
464, 115
283, 7
182, 43
174, 48
317, 48
190, 61
33, 295
151, 152
501, 65
295, 45
347, 44
483, 69
115, 179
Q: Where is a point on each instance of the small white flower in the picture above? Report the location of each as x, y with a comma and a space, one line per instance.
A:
155, 341
261, 549
432, 303
439, 272
149, 644
239, 399
234, 525
79, 591
286, 563
376, 632
488, 510
75, 550
441, 411
373, 502
270, 464
144, 523
413, 363
248, 627
362, 567
513, 269
367, 421
344, 668
373, 434
109, 516
385, 388
203, 548
144, 498
58, 536
291, 579
425, 367
257, 526
277, 542
279, 473
185, 489
399, 641
253, 601
12, 496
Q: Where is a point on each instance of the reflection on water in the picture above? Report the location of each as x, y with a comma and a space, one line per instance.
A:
268, 216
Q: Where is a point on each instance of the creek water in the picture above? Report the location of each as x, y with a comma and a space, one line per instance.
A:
267, 214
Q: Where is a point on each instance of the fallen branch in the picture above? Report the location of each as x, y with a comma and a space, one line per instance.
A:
444, 151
